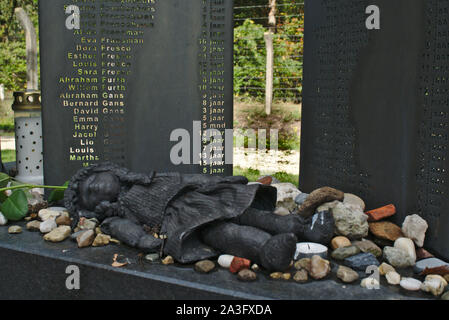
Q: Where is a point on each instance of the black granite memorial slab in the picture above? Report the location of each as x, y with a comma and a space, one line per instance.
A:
119, 77
36, 269
375, 107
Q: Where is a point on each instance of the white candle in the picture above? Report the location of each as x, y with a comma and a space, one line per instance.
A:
310, 249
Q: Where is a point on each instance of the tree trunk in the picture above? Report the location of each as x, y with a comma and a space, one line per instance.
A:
270, 57
31, 48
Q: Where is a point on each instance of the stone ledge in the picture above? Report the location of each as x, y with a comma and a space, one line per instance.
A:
34, 269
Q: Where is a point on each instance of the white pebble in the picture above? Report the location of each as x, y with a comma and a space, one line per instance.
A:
393, 278
434, 284
407, 245
225, 260
47, 214
410, 284
3, 220
415, 227
48, 225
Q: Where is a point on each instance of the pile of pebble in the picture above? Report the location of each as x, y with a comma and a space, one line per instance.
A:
362, 239
357, 239
54, 225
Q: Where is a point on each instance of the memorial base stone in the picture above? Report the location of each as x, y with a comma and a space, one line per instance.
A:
34, 269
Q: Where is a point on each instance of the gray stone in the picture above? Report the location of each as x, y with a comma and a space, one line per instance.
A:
350, 221
204, 266
345, 252
368, 246
346, 274
361, 261
430, 263
415, 227
398, 258
299, 200
152, 257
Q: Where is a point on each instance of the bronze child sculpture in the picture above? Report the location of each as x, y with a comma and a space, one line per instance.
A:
196, 216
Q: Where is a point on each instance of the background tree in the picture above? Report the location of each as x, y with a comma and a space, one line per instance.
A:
12, 43
251, 21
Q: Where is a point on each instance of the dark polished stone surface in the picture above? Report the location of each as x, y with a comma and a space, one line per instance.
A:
374, 120
34, 269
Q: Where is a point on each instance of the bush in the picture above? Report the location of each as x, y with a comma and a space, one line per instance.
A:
13, 61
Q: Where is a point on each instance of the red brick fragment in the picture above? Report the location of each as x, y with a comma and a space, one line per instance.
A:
238, 264
442, 271
381, 213
266, 180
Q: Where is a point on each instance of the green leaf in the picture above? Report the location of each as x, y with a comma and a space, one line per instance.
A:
57, 195
4, 179
15, 208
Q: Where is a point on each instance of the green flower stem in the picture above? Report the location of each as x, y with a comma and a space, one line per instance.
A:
32, 186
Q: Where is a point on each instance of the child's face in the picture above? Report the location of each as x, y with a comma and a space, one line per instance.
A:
99, 187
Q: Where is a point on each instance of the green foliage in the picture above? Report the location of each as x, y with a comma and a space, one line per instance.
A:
287, 177
6, 125
15, 207
250, 59
8, 156
254, 174
13, 64
57, 195
12, 43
